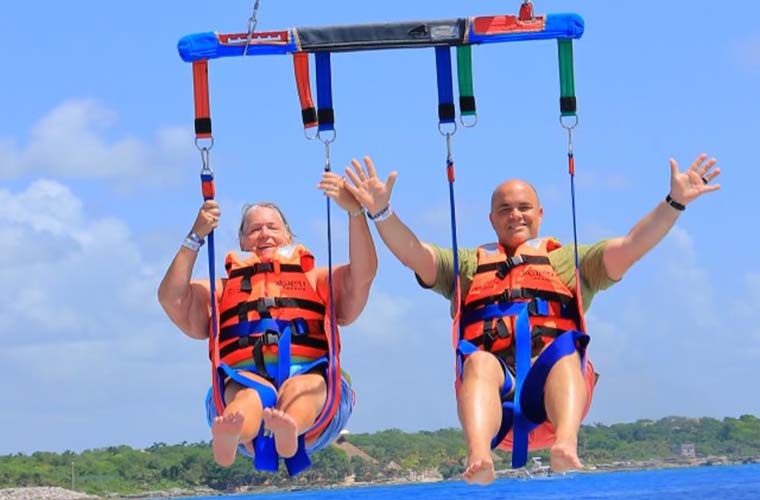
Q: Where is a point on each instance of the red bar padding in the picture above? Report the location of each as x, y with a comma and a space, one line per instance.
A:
494, 25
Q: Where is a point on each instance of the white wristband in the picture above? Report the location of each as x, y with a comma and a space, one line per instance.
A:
382, 214
193, 242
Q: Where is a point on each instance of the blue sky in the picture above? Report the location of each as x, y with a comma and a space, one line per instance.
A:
99, 184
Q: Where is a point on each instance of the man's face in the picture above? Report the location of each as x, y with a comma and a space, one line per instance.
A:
263, 232
515, 213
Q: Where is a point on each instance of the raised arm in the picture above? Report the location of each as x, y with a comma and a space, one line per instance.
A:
354, 279
375, 196
187, 302
621, 253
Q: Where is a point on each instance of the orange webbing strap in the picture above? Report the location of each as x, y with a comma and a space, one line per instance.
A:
308, 111
202, 111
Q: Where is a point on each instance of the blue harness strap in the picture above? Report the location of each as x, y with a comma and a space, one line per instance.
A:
526, 411
521, 425
531, 399
567, 343
300, 461
325, 112
265, 452
446, 111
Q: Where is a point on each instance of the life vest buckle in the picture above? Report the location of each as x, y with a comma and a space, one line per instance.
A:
271, 337
263, 305
298, 327
508, 265
515, 261
263, 267
501, 329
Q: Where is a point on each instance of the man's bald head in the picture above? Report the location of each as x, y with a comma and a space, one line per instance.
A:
512, 185
516, 213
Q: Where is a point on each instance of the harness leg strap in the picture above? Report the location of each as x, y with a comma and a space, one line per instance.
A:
532, 401
265, 454
300, 461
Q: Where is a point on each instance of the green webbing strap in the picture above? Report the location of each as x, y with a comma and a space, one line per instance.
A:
464, 73
567, 101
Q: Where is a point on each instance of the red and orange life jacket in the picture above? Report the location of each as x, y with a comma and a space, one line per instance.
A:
263, 296
528, 276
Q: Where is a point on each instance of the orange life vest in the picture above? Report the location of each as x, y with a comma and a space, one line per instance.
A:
262, 293
528, 276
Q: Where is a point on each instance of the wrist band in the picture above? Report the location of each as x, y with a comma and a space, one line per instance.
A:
382, 214
356, 213
673, 203
193, 242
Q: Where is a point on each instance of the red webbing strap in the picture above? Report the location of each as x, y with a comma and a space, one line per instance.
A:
200, 92
334, 382
308, 111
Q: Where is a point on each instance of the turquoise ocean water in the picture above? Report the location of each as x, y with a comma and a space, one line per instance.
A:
699, 483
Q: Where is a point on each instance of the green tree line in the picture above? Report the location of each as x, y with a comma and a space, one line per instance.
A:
124, 470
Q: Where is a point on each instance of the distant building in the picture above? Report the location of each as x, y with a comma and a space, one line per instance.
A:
687, 450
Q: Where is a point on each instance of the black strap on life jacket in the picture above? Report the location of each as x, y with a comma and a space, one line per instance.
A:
513, 294
503, 268
260, 267
264, 304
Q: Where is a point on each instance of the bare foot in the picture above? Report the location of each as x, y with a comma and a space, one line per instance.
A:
479, 471
225, 432
564, 456
284, 429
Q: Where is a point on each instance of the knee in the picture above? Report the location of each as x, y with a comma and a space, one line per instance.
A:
483, 365
302, 385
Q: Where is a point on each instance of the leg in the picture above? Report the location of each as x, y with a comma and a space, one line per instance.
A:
299, 402
239, 423
479, 407
564, 398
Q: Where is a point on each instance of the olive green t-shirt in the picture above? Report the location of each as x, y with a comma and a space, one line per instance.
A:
593, 274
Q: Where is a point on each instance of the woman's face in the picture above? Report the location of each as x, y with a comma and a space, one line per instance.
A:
264, 232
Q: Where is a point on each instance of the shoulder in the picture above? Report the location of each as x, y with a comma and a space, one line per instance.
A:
445, 255
563, 252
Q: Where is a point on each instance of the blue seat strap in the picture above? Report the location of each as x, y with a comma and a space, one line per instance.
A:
265, 454
521, 426
566, 344
300, 461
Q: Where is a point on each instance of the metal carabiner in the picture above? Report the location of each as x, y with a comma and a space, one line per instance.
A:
449, 156
206, 162
205, 157
252, 22
328, 166
569, 129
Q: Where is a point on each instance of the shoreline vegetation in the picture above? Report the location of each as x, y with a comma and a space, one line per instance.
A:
381, 458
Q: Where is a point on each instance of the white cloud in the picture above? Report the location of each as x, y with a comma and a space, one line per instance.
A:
676, 345
385, 318
82, 331
72, 141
